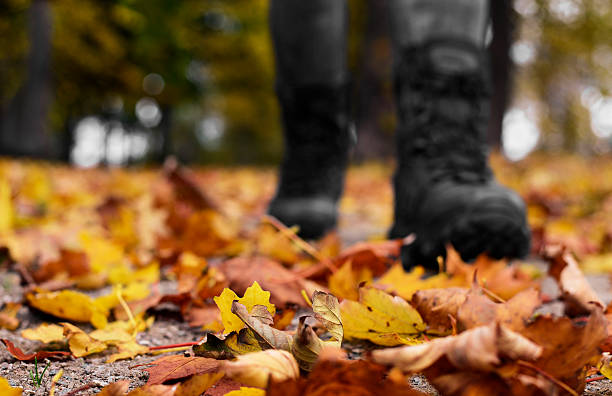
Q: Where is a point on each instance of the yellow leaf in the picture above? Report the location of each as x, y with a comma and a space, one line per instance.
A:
8, 316
6, 206
44, 333
597, 264
246, 391
198, 384
254, 295
127, 350
7, 390
257, 368
345, 282
326, 309
72, 305
80, 343
404, 284
103, 254
381, 318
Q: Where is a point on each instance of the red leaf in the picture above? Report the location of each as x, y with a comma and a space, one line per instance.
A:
177, 366
20, 355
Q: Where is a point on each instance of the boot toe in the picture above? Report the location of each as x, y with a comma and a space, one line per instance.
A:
314, 216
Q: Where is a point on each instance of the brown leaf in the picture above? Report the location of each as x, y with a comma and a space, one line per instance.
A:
186, 187
376, 256
201, 316
576, 290
437, 306
115, 389
40, 355
479, 310
284, 285
479, 349
341, 377
224, 386
227, 347
256, 369
176, 366
568, 345
272, 337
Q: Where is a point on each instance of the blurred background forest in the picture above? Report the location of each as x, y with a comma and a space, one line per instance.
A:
119, 82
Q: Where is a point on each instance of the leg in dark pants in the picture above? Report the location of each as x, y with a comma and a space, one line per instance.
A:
444, 189
310, 47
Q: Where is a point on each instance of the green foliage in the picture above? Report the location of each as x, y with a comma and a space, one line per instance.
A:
36, 376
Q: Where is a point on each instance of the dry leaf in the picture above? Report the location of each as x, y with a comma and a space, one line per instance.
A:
576, 290
438, 307
341, 377
272, 337
380, 318
44, 333
8, 316
71, 305
255, 369
7, 390
227, 347
198, 384
176, 367
254, 295
80, 343
284, 285
40, 355
115, 389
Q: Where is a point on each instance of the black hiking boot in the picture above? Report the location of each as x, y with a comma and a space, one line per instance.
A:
317, 141
445, 191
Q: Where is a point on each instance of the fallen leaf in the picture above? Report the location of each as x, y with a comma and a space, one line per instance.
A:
8, 316
176, 367
40, 355
405, 284
198, 384
341, 377
127, 350
284, 285
227, 347
514, 314
575, 289
380, 318
71, 305
247, 391
345, 282
376, 256
438, 307
256, 369
272, 337
115, 389
327, 311
7, 390
254, 295
45, 333
80, 343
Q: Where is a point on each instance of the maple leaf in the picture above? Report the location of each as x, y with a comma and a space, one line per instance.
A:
260, 324
438, 307
284, 285
176, 367
254, 295
256, 369
381, 318
7, 390
80, 343
18, 354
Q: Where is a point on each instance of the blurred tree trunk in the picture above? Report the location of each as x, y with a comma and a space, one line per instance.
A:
374, 103
503, 23
164, 149
24, 129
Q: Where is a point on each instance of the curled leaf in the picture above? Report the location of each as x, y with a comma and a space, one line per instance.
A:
256, 369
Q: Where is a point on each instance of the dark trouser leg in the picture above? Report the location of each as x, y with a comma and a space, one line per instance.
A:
444, 189
310, 51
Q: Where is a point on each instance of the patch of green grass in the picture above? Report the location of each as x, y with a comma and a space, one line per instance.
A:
35, 376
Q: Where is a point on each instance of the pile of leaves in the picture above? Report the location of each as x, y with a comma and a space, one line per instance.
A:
102, 250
